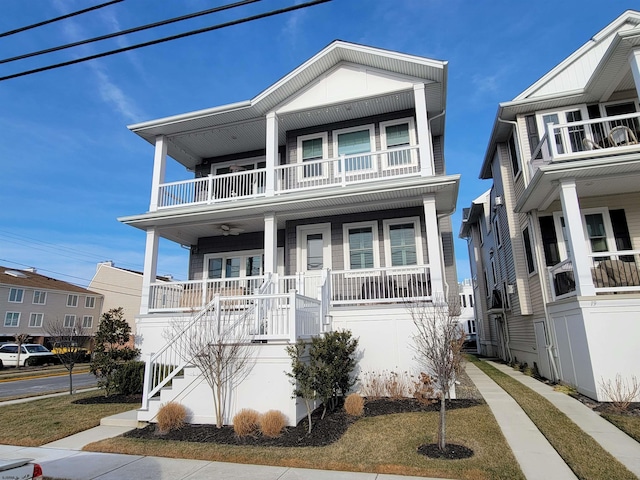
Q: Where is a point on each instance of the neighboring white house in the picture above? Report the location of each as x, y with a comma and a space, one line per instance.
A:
31, 302
120, 287
467, 318
321, 203
555, 244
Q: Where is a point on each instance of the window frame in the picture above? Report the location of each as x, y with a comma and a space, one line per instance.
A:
243, 254
70, 303
497, 234
413, 141
372, 146
33, 324
324, 136
345, 243
41, 293
562, 120
386, 229
18, 292
67, 317
516, 149
90, 299
17, 320
531, 250
84, 321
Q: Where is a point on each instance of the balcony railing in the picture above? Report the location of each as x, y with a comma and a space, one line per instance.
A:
617, 272
587, 139
341, 171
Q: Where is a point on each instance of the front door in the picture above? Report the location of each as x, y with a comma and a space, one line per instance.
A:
314, 254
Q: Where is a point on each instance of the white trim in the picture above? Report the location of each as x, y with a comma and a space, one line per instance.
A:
225, 255
372, 146
41, 320
345, 242
301, 246
608, 228
412, 139
387, 223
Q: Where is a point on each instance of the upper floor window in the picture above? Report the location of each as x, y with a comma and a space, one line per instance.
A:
310, 148
72, 300
397, 135
356, 144
513, 155
39, 297
15, 295
90, 302
528, 250
12, 319
569, 139
361, 245
496, 233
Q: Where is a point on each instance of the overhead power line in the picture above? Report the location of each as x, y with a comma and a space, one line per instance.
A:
130, 30
167, 39
57, 19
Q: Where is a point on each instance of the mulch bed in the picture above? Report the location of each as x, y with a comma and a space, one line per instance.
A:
452, 451
325, 431
607, 407
101, 399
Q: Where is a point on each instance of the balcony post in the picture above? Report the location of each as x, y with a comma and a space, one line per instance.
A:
159, 168
634, 63
579, 255
272, 153
433, 246
423, 131
150, 269
270, 243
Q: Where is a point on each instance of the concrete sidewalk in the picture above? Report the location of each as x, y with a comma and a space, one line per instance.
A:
624, 448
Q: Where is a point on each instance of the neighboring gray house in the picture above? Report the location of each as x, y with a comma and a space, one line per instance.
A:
555, 244
30, 301
321, 203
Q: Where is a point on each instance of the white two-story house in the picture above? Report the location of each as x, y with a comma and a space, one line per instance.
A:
555, 243
322, 203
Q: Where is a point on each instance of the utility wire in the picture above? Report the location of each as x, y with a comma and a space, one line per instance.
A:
130, 30
57, 19
167, 39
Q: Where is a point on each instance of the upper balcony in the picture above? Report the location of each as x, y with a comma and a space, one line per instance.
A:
598, 138
339, 172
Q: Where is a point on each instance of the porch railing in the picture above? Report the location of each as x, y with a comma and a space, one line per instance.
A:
380, 285
587, 139
611, 272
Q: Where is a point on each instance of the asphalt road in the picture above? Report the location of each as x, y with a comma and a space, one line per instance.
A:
38, 386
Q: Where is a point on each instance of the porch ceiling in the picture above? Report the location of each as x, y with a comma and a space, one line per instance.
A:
594, 177
186, 225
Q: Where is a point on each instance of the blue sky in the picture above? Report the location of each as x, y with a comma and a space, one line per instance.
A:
69, 167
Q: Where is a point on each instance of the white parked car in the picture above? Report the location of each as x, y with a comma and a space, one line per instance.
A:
20, 468
30, 354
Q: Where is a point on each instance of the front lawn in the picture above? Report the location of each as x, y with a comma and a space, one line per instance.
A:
37, 422
629, 424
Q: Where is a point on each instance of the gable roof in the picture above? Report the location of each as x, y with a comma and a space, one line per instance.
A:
588, 75
249, 115
29, 279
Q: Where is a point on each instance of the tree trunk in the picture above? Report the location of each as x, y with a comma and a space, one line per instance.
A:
308, 413
441, 426
70, 381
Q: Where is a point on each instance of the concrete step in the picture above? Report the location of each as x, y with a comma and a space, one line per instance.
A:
124, 419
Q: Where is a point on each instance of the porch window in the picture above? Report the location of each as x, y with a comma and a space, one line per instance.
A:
15, 295
312, 150
352, 142
402, 244
35, 320
12, 319
395, 135
361, 243
596, 232
234, 266
549, 241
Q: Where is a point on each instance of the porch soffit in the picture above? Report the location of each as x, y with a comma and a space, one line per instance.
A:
593, 178
187, 224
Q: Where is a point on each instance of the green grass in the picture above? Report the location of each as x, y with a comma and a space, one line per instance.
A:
627, 423
383, 444
37, 422
585, 456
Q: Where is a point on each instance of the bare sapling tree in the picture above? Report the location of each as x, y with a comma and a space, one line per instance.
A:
68, 344
220, 346
438, 345
20, 338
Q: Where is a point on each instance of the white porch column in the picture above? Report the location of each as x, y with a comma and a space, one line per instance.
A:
270, 243
272, 153
159, 168
422, 129
579, 254
150, 268
433, 245
634, 63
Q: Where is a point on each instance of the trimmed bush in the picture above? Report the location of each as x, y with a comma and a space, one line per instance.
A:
246, 422
272, 423
354, 405
128, 378
171, 416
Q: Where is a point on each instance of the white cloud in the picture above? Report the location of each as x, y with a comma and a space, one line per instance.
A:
113, 94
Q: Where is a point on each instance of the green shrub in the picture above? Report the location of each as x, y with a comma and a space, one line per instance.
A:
129, 378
